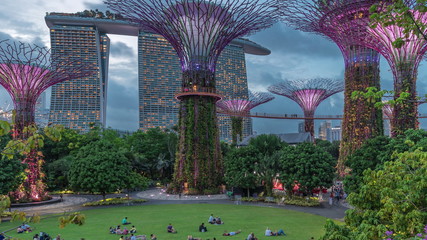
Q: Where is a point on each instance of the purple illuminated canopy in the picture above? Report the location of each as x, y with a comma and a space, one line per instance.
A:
197, 29
243, 106
27, 70
308, 93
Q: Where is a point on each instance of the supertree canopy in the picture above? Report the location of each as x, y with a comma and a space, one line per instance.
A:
199, 30
308, 94
239, 108
404, 62
337, 21
25, 72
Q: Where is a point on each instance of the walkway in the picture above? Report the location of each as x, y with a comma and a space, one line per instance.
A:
72, 203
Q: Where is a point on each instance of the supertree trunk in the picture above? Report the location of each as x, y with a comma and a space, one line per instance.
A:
405, 114
236, 129
309, 124
24, 116
362, 120
33, 187
199, 161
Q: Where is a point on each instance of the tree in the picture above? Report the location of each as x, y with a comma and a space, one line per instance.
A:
399, 13
369, 156
307, 165
11, 170
150, 149
392, 199
332, 148
101, 167
240, 167
267, 144
267, 167
11, 174
57, 173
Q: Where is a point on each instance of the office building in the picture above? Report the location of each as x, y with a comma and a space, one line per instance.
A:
329, 133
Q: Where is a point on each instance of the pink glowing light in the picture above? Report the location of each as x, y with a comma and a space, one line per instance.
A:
243, 106
309, 99
412, 50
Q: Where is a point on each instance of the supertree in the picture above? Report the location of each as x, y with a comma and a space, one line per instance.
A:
308, 93
239, 108
199, 30
25, 72
404, 62
335, 20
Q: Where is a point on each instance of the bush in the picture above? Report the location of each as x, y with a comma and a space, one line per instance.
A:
298, 201
303, 202
113, 201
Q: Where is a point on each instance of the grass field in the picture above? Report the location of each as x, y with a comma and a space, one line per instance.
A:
185, 218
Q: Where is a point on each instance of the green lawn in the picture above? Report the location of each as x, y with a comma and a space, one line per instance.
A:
185, 218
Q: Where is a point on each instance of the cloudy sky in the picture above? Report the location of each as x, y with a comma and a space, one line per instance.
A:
294, 55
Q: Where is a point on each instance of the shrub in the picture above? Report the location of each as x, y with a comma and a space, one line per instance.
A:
113, 201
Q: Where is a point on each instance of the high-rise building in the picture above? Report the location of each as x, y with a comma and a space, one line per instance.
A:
329, 133
80, 102
335, 134
324, 128
77, 103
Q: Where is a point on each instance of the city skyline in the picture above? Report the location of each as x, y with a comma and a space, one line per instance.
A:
294, 55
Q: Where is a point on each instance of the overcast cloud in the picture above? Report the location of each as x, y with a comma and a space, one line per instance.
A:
294, 55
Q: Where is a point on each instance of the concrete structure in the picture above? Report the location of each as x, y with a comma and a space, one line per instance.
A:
77, 103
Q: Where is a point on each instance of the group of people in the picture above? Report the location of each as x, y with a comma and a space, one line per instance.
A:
24, 228
117, 230
45, 236
337, 194
268, 232
202, 228
213, 220
132, 231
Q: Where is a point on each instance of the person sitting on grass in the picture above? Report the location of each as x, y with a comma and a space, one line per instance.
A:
26, 227
20, 230
170, 229
218, 220
211, 219
121, 238
2, 237
202, 228
268, 232
125, 231
132, 230
280, 232
231, 233
125, 221
192, 238
119, 231
112, 230
153, 237
251, 236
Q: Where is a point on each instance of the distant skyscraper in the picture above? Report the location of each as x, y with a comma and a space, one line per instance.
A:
335, 134
328, 133
80, 102
323, 130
